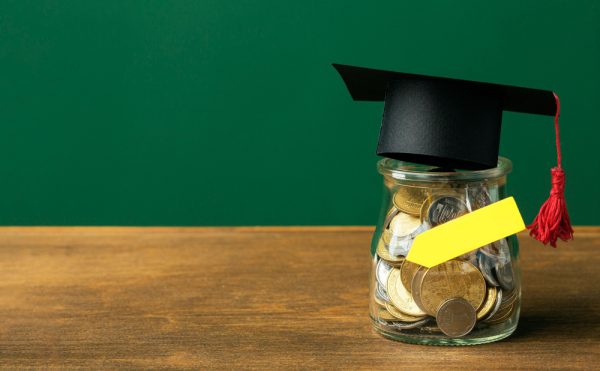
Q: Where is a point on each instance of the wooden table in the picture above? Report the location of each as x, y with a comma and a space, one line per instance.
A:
267, 298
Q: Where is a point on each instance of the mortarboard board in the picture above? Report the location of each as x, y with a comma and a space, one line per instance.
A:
441, 121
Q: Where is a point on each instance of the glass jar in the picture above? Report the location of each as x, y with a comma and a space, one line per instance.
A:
472, 299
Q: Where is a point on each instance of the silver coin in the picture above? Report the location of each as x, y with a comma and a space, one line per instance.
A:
381, 293
487, 267
503, 251
445, 209
496, 306
400, 245
409, 325
477, 197
498, 251
505, 275
471, 257
382, 272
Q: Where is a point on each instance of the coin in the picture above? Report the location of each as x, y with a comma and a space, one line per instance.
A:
444, 209
505, 275
407, 272
496, 305
384, 254
400, 245
424, 209
501, 316
404, 224
383, 314
434, 329
509, 298
489, 303
471, 257
456, 317
378, 299
382, 272
487, 268
409, 325
415, 285
401, 316
477, 197
400, 297
389, 216
503, 251
409, 199
452, 279
381, 294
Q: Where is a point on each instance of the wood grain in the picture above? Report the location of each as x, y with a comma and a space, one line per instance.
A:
268, 298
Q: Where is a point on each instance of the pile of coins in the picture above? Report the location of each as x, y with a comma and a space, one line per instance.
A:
477, 288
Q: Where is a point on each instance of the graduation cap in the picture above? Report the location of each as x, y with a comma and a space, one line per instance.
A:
453, 123
440, 121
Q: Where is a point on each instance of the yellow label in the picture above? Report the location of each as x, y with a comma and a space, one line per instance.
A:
466, 233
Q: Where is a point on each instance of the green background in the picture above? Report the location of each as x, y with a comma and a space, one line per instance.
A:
229, 113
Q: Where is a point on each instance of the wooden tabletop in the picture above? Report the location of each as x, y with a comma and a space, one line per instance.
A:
267, 298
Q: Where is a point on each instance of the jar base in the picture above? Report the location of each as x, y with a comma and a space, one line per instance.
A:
483, 337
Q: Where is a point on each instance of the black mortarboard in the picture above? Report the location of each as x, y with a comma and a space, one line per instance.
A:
441, 121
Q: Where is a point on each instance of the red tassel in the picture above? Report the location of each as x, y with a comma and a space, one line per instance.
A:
553, 222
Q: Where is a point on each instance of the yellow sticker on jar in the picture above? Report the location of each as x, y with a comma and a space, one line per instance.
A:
466, 233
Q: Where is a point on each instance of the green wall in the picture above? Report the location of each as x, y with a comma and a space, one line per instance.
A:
119, 112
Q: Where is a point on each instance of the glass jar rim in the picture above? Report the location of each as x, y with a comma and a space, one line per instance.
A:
403, 170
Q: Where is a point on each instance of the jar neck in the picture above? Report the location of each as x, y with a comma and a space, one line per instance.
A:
395, 170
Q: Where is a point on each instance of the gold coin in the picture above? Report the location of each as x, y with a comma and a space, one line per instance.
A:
501, 316
425, 209
452, 279
384, 254
416, 285
389, 216
409, 199
382, 313
401, 316
379, 301
509, 298
456, 317
400, 297
407, 272
488, 304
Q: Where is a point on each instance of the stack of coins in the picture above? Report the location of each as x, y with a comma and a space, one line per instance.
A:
476, 289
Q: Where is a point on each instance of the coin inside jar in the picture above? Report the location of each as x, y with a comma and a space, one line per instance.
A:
382, 272
495, 307
505, 274
452, 279
415, 285
390, 215
401, 316
456, 317
400, 297
381, 294
384, 254
407, 272
477, 197
409, 199
487, 268
444, 209
383, 314
489, 303
403, 224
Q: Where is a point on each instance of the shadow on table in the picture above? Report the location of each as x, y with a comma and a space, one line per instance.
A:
562, 318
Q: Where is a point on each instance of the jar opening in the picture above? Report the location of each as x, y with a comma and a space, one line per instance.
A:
410, 171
